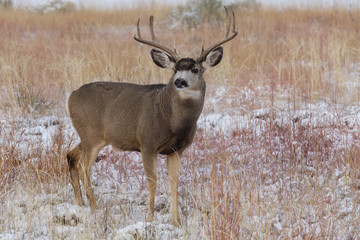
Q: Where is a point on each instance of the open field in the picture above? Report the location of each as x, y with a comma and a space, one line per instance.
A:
276, 154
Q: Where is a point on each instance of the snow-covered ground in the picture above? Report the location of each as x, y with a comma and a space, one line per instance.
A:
306, 192
261, 166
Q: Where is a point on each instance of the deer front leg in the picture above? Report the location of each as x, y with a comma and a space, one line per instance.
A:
149, 162
173, 164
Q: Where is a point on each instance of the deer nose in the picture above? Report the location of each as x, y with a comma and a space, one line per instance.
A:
181, 83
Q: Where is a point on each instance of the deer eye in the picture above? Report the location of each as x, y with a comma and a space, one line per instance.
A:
195, 70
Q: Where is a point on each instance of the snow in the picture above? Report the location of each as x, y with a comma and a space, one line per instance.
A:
323, 193
120, 186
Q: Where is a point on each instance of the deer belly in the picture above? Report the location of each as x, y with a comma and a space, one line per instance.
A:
123, 140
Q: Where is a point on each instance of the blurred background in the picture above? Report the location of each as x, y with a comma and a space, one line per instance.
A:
118, 4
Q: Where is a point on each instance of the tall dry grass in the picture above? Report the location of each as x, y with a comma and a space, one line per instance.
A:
44, 56
287, 60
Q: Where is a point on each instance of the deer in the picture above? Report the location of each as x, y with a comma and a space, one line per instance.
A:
150, 119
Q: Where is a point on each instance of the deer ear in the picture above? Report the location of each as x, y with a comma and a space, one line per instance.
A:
161, 59
213, 58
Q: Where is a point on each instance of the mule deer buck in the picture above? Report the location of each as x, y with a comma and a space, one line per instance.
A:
152, 119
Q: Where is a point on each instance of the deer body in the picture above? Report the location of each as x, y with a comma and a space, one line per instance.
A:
152, 119
131, 117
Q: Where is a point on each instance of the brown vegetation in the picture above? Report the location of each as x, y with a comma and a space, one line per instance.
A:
281, 176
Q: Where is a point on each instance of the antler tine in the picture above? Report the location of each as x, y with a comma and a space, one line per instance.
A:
138, 29
204, 53
233, 17
153, 43
151, 27
228, 21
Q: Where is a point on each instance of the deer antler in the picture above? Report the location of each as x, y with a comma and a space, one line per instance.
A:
153, 42
230, 21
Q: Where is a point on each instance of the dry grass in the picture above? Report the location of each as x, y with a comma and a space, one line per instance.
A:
278, 171
44, 56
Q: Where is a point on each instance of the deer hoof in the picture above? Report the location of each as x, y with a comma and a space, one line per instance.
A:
150, 218
93, 207
176, 221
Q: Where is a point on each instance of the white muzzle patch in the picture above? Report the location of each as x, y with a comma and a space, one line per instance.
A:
188, 92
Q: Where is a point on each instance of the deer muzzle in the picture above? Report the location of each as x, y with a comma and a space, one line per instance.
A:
181, 83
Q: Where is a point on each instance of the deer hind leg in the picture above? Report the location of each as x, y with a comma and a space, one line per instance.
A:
173, 164
73, 158
87, 159
149, 162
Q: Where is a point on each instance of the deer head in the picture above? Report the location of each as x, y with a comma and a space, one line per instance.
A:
187, 71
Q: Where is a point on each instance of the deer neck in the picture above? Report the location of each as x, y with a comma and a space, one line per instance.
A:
182, 111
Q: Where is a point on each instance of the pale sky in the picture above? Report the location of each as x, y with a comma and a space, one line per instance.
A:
118, 4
